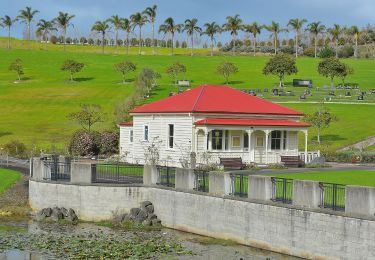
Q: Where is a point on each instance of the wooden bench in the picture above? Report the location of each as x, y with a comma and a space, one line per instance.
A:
232, 163
292, 161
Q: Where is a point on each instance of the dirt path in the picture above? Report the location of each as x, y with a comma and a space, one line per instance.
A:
360, 145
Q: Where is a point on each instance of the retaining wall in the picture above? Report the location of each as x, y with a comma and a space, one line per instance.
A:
286, 230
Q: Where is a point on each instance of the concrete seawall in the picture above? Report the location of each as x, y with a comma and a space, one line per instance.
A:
286, 230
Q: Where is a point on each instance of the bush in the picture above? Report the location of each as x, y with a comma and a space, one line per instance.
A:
85, 143
16, 148
309, 52
326, 52
353, 156
109, 143
346, 51
287, 49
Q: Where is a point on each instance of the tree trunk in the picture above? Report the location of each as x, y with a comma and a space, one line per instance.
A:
19, 76
316, 46
337, 54
234, 45
140, 40
64, 41
116, 37
332, 83
212, 47
172, 45
45, 42
153, 38
71, 77
255, 44
103, 38
123, 78
127, 43
8, 37
296, 44
275, 43
192, 45
29, 34
318, 134
356, 48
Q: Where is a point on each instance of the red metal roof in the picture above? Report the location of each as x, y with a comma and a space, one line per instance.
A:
249, 122
215, 99
126, 124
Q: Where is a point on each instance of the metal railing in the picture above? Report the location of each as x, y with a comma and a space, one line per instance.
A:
167, 176
240, 184
332, 196
56, 171
117, 173
282, 190
201, 180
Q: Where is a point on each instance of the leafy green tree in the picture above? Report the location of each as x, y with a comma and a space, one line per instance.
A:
151, 14
316, 28
125, 67
335, 32
169, 26
280, 65
320, 119
175, 69
225, 69
44, 29
127, 27
148, 78
139, 19
7, 22
116, 21
330, 68
211, 30
275, 30
63, 21
89, 115
73, 67
233, 25
255, 30
17, 67
190, 28
345, 71
297, 25
26, 16
101, 27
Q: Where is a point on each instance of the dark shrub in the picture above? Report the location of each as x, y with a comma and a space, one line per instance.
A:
16, 148
309, 52
326, 52
109, 143
85, 143
346, 51
287, 49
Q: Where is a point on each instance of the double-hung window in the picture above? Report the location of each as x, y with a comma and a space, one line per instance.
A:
131, 136
170, 135
217, 140
276, 140
145, 133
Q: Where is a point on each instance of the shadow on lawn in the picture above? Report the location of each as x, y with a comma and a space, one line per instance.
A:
5, 133
83, 79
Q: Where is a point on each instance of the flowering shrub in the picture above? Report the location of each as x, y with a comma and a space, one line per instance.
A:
109, 143
85, 143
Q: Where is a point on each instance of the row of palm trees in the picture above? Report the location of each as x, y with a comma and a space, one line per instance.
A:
233, 25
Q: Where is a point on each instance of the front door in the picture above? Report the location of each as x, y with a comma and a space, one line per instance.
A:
259, 147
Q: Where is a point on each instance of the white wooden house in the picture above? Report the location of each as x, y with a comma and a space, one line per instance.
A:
213, 122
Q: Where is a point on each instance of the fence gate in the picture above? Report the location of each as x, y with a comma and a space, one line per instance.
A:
282, 190
240, 184
201, 180
332, 196
117, 173
56, 171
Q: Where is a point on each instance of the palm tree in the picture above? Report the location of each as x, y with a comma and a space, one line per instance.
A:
316, 28
27, 16
297, 25
335, 32
7, 22
354, 32
139, 20
101, 27
169, 26
127, 27
212, 29
233, 25
275, 29
191, 27
150, 12
254, 29
45, 28
116, 21
63, 21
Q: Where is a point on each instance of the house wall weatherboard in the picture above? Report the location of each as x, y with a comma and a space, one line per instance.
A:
287, 230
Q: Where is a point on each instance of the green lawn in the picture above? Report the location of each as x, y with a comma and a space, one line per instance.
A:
35, 111
349, 177
7, 178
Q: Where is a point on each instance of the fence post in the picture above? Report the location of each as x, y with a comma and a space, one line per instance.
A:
185, 179
37, 169
306, 194
150, 175
81, 173
260, 187
220, 183
360, 200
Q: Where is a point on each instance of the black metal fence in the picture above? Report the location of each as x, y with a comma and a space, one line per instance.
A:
282, 190
201, 180
167, 176
57, 171
117, 173
332, 196
240, 184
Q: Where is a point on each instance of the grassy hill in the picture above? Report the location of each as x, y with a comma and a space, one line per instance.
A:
35, 110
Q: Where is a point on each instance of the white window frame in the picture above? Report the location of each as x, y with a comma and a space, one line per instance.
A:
168, 136
235, 136
144, 133
256, 141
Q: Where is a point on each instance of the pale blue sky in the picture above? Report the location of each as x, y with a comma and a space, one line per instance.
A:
345, 12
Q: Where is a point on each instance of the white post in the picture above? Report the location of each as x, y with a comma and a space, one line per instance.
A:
251, 153
206, 140
306, 135
267, 133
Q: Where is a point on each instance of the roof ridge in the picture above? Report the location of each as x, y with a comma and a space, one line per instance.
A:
198, 98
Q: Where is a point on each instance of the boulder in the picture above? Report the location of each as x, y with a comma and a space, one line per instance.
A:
40, 216
65, 212
46, 212
156, 222
147, 222
150, 209
142, 216
152, 216
144, 204
318, 160
56, 214
71, 216
134, 212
